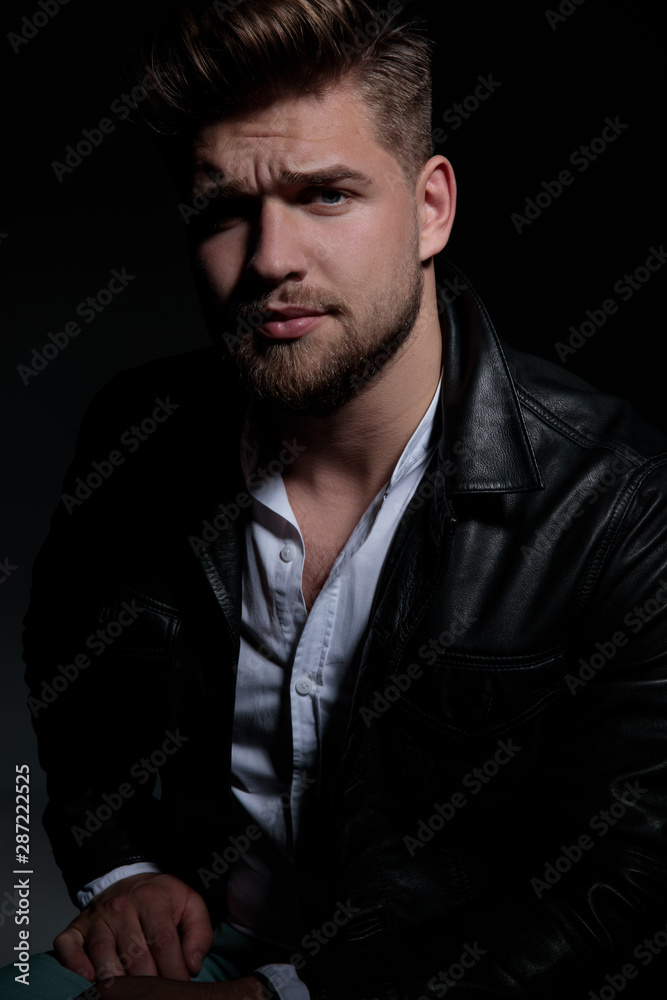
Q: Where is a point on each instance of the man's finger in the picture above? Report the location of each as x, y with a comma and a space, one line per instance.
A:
164, 943
70, 952
134, 949
196, 931
101, 948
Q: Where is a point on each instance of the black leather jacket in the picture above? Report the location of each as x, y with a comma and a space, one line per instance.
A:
496, 821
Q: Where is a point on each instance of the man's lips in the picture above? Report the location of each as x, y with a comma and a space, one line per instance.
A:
290, 322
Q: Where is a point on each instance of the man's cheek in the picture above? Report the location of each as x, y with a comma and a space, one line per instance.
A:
319, 251
221, 264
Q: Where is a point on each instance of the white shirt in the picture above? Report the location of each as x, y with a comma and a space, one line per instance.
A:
292, 682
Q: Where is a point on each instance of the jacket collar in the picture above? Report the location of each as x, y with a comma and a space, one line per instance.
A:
485, 445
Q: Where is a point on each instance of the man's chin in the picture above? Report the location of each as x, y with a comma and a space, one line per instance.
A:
295, 401
291, 379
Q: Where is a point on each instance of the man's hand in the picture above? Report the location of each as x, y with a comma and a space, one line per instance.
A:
132, 929
142, 988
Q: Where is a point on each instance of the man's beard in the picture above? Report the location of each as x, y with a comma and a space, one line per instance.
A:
314, 378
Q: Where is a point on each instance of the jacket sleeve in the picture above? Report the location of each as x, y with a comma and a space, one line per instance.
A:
93, 703
592, 915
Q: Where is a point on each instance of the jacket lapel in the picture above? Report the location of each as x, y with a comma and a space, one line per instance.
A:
480, 409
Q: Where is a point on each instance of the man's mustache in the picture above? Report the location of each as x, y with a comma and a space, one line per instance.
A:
252, 310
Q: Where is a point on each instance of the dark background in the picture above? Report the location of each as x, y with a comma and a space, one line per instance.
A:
118, 209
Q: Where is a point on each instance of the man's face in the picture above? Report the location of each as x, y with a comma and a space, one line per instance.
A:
314, 243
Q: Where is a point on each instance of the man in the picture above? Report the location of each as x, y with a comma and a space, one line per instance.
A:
360, 655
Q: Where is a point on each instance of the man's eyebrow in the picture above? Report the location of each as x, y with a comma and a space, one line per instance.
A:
330, 175
316, 178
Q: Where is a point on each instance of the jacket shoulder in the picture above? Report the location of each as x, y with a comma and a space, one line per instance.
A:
574, 408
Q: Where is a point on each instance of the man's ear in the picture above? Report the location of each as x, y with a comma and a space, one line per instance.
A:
436, 204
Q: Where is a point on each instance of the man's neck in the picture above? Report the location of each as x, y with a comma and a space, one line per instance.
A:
355, 448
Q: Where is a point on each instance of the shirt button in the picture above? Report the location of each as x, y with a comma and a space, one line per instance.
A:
304, 685
287, 553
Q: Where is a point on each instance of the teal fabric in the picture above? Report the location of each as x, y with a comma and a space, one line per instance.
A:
233, 955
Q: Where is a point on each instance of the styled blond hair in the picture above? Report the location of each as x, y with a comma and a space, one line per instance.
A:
221, 58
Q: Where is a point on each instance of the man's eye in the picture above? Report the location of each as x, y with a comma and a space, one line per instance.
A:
330, 197
221, 213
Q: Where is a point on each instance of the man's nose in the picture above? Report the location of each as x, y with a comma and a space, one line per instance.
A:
277, 249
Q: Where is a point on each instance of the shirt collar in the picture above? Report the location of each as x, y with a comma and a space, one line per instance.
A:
424, 441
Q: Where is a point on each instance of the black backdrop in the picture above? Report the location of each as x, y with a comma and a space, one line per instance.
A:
556, 78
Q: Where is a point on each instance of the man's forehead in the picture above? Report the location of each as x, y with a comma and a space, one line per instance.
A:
299, 134
231, 142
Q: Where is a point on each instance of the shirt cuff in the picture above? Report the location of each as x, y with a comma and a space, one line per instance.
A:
96, 886
285, 981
